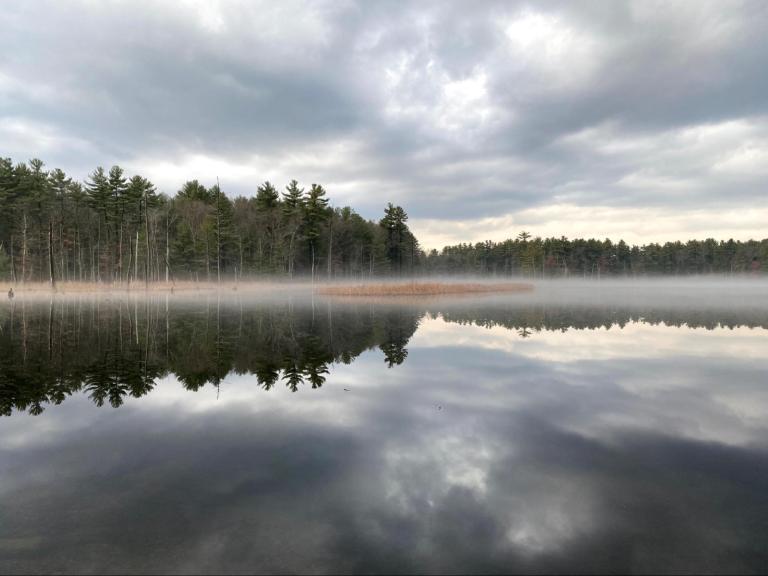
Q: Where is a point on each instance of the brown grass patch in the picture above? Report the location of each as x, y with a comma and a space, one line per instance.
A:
422, 289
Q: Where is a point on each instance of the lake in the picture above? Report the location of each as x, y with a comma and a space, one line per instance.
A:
582, 428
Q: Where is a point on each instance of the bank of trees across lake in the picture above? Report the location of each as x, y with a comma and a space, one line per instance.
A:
561, 257
118, 228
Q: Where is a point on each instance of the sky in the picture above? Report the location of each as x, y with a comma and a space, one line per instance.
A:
642, 120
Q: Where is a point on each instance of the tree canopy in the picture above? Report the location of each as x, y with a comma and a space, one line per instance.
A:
116, 227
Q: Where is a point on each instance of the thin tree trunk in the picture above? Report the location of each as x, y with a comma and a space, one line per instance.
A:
61, 245
241, 255
77, 249
207, 260
50, 253
131, 259
218, 231
291, 257
98, 252
168, 273
146, 232
24, 251
120, 253
13, 264
79, 254
167, 245
330, 247
136, 257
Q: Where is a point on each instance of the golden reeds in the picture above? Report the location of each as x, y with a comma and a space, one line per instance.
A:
422, 289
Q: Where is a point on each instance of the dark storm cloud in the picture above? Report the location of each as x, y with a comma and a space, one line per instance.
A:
457, 110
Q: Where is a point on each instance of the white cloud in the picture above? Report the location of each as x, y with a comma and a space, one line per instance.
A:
545, 45
632, 224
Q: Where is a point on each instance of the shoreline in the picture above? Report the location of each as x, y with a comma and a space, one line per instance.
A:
384, 288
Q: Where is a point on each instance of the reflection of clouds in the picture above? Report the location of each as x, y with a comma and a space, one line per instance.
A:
539, 459
701, 384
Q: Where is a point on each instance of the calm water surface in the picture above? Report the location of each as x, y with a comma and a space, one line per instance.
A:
467, 436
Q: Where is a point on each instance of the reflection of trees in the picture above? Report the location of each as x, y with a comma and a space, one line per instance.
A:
535, 318
293, 377
119, 349
111, 351
117, 377
399, 326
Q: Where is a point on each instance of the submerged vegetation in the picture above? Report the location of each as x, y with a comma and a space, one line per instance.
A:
117, 229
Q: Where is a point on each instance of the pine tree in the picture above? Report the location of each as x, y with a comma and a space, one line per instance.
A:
98, 192
293, 205
315, 212
117, 189
398, 235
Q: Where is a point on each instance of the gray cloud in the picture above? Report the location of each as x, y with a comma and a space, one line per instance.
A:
457, 110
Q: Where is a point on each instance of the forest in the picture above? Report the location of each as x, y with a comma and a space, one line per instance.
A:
592, 258
118, 228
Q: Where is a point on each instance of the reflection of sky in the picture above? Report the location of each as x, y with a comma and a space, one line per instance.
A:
484, 451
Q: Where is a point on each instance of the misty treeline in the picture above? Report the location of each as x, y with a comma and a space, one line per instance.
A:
561, 257
118, 228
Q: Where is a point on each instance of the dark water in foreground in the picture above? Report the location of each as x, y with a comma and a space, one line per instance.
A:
477, 436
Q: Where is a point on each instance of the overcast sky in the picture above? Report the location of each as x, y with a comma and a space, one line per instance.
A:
641, 120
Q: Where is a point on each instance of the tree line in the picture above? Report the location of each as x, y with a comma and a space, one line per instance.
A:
117, 228
563, 257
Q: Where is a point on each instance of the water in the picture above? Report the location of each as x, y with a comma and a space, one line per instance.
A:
605, 433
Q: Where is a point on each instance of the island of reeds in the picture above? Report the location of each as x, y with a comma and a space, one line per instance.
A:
423, 288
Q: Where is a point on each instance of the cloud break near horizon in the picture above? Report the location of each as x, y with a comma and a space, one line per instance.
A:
638, 120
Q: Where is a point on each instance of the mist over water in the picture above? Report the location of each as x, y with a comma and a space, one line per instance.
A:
582, 427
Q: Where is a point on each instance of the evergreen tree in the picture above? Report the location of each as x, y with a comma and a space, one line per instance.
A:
398, 235
293, 206
117, 189
97, 189
193, 190
315, 213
